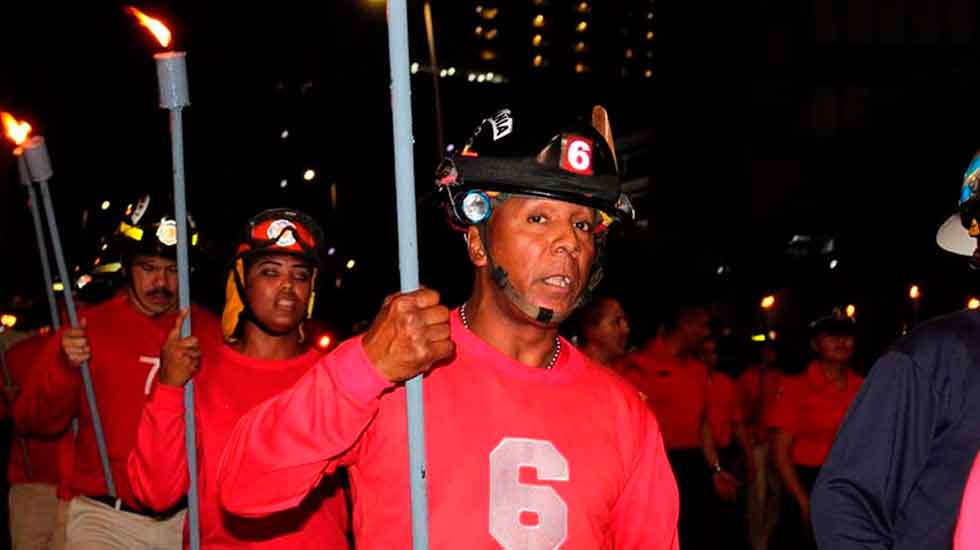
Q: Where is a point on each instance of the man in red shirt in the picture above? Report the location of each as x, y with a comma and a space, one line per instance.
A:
269, 295
529, 443
121, 339
804, 420
670, 374
604, 331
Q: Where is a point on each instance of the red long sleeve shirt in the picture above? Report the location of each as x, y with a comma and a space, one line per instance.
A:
44, 452
517, 456
227, 385
125, 347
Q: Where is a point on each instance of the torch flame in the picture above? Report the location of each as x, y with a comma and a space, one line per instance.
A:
15, 129
159, 30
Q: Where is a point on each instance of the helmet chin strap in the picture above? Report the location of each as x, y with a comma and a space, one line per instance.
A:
540, 314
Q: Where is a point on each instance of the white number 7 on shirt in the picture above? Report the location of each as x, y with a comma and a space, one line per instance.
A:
155, 361
509, 498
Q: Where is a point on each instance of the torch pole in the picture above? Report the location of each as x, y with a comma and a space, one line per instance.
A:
408, 261
172, 79
39, 166
42, 249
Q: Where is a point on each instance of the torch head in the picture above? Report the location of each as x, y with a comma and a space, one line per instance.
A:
172, 78
38, 161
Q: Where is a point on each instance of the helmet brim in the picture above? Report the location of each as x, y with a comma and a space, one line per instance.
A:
953, 237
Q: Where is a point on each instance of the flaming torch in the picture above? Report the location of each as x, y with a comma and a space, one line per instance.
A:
35, 153
172, 80
17, 131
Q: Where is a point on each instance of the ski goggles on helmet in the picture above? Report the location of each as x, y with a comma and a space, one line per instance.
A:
282, 231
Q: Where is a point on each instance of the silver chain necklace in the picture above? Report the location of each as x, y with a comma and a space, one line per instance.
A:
554, 354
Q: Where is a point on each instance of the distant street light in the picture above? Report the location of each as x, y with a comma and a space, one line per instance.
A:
768, 302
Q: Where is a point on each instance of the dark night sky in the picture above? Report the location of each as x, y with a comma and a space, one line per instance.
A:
764, 124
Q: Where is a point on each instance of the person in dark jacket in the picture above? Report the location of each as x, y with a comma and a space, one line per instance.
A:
895, 475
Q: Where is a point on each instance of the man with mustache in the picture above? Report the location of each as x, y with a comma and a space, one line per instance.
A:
121, 339
529, 443
269, 294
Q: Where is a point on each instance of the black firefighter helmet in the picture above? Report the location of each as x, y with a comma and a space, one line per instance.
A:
149, 228
501, 158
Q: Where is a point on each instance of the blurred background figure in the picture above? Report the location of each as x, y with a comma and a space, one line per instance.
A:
804, 420
604, 331
669, 372
726, 420
758, 386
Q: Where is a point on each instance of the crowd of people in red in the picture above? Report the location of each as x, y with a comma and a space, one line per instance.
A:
534, 441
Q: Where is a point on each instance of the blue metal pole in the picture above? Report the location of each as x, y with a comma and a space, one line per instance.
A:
59, 258
184, 293
408, 261
43, 253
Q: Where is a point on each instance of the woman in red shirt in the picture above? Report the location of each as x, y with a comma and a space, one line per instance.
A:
269, 294
804, 421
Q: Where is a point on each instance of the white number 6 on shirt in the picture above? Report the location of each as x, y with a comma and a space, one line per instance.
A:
509, 498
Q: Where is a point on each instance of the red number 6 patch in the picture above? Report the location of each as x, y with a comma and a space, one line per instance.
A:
576, 155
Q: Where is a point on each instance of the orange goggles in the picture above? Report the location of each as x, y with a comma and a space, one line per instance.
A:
283, 231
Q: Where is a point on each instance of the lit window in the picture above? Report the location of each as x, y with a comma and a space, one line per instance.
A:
489, 13
629, 53
478, 30
538, 61
648, 73
580, 47
580, 68
491, 34
538, 20
582, 25
536, 41
649, 35
583, 7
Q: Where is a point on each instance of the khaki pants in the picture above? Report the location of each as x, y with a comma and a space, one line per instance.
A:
94, 526
33, 516
59, 530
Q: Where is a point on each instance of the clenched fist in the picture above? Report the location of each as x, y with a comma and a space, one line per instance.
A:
74, 344
409, 335
179, 357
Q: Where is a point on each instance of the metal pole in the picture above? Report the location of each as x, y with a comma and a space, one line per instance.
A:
59, 258
408, 261
42, 249
184, 297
